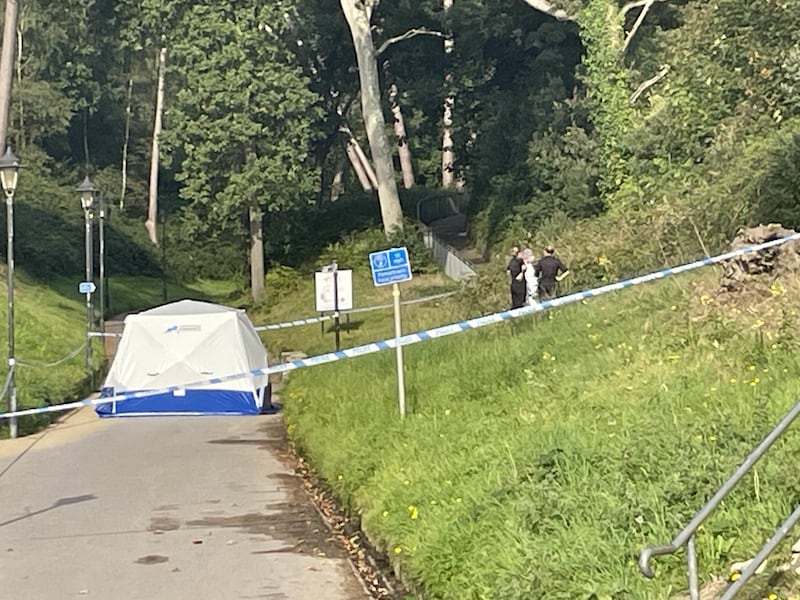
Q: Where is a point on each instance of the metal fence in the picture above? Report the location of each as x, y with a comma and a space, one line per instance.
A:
686, 538
449, 260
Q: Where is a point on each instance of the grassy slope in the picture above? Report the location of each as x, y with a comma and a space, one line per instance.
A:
541, 455
293, 297
50, 323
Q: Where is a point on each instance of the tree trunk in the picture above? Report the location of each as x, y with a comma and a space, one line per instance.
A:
256, 253
358, 168
362, 158
21, 105
86, 160
448, 157
7, 55
403, 150
336, 184
152, 206
358, 16
127, 138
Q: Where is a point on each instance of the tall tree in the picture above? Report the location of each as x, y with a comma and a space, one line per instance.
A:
359, 19
242, 123
7, 56
449, 102
152, 194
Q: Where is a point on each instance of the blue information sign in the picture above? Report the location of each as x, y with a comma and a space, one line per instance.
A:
390, 266
86, 287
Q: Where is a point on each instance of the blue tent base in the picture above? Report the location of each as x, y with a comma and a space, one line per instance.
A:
190, 402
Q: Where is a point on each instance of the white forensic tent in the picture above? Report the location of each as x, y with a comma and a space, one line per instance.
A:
181, 343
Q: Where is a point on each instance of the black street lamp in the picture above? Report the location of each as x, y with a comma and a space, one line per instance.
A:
88, 193
9, 172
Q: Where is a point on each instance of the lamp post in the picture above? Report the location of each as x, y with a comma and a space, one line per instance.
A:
9, 171
88, 192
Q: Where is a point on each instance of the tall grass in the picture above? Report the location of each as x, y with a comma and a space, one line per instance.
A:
539, 456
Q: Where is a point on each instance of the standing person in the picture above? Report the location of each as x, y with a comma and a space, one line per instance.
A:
531, 281
517, 279
550, 270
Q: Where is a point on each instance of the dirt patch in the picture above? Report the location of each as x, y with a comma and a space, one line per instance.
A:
162, 524
770, 263
758, 291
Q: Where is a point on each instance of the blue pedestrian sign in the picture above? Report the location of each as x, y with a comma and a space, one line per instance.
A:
87, 287
390, 266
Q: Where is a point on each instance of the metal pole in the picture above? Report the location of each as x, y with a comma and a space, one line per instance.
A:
336, 307
12, 384
401, 386
87, 218
164, 292
102, 216
762, 555
691, 563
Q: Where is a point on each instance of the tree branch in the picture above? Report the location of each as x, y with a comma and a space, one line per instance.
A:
636, 4
405, 36
548, 9
639, 20
649, 83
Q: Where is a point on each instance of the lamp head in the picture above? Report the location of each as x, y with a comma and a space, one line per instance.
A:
88, 192
9, 171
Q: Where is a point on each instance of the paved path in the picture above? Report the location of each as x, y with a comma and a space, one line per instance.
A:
162, 508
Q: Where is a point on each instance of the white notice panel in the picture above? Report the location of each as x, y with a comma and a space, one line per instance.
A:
325, 286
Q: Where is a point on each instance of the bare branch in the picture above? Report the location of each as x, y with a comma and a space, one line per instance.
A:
636, 4
548, 9
639, 20
405, 36
649, 83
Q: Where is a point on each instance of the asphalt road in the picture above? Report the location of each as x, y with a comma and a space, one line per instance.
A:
162, 508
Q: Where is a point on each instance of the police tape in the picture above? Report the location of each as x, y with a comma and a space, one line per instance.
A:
351, 311
415, 338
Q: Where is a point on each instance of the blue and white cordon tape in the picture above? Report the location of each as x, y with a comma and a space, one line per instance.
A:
320, 319
421, 336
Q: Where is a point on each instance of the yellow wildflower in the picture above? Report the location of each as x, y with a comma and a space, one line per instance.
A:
397, 549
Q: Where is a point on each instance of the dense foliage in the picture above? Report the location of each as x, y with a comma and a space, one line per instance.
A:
561, 127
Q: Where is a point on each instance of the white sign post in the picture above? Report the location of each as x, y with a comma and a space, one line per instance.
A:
393, 267
334, 292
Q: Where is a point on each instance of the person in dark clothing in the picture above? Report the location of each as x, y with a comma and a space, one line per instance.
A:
515, 266
550, 270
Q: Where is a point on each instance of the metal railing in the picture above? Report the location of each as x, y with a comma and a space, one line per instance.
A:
686, 538
450, 261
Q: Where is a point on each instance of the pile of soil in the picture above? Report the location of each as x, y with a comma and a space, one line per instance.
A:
765, 265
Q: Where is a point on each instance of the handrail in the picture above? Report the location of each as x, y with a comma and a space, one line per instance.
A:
686, 538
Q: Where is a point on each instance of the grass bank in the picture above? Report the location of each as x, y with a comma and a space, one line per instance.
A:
290, 295
50, 327
539, 456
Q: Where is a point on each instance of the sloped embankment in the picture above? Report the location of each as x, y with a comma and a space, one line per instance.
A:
539, 456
